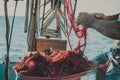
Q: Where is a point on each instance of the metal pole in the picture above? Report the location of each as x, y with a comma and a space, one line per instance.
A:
33, 26
8, 38
43, 16
26, 16
6, 71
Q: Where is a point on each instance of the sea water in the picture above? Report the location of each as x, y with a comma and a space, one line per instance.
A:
96, 42
18, 41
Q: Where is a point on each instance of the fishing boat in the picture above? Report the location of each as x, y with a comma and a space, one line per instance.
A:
40, 16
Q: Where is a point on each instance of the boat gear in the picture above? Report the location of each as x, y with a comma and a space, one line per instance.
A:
9, 31
74, 56
57, 63
29, 26
118, 18
117, 44
47, 52
54, 4
65, 22
33, 26
26, 15
116, 54
114, 57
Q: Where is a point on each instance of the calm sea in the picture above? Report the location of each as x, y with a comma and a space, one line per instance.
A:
96, 42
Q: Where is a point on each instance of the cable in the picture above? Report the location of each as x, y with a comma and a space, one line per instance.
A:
8, 38
43, 16
11, 31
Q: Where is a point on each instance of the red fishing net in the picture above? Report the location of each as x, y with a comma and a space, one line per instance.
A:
80, 31
58, 63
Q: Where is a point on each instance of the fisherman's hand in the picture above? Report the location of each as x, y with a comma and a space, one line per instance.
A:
85, 19
104, 17
98, 15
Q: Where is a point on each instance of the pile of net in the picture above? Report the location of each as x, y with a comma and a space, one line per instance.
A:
52, 63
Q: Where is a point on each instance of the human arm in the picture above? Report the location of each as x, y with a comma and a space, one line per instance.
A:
109, 28
104, 17
101, 58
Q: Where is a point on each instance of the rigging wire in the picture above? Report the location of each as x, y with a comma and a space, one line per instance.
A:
68, 37
75, 8
6, 74
38, 19
8, 37
45, 3
12, 23
43, 16
47, 14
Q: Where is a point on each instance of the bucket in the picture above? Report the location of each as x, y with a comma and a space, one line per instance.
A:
87, 75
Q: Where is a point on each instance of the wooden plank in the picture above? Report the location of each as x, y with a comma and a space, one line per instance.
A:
50, 33
43, 44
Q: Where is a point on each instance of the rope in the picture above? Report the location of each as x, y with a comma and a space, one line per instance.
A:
67, 28
69, 14
80, 32
60, 14
8, 38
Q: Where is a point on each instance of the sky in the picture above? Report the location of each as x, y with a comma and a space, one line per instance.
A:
104, 6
